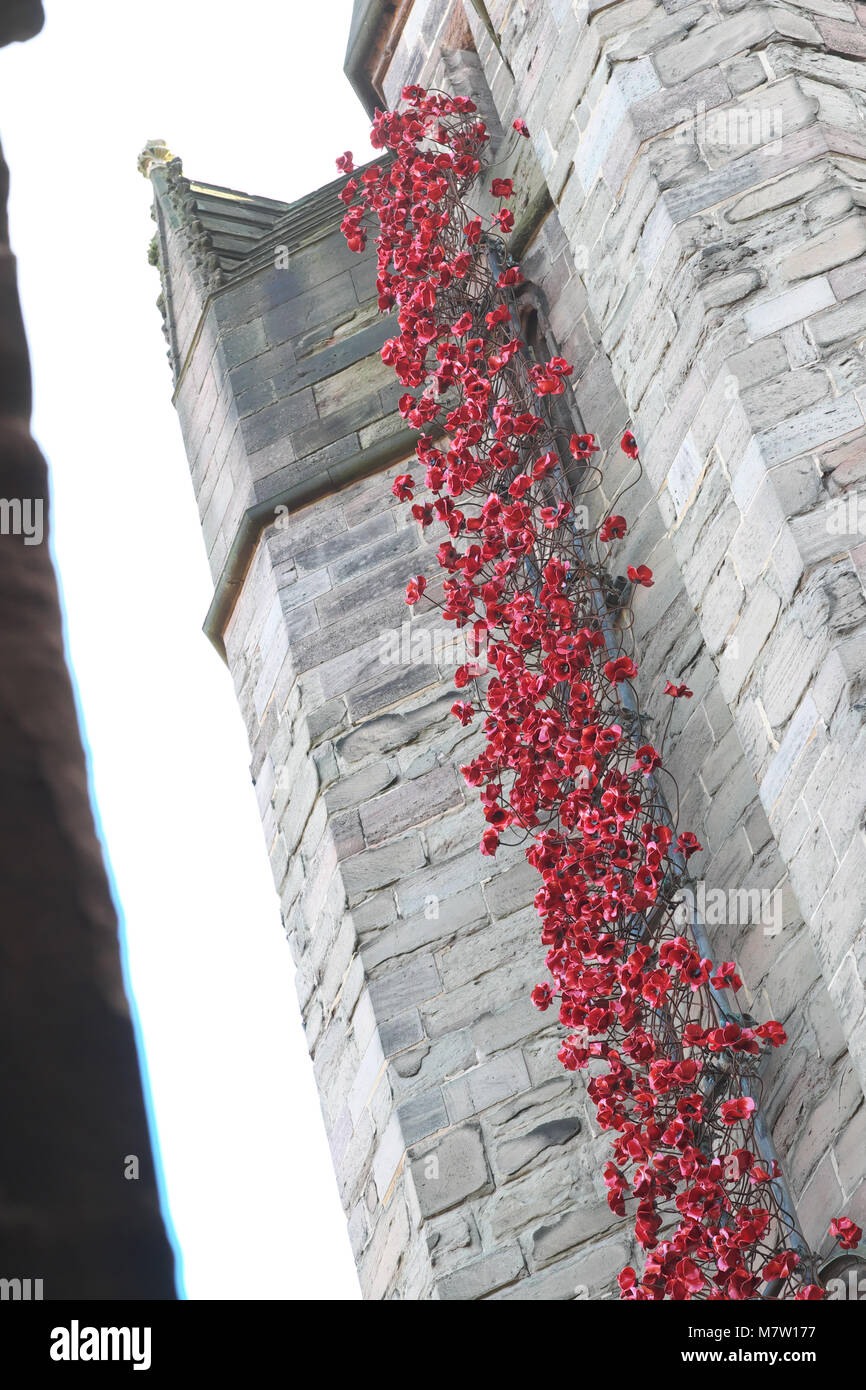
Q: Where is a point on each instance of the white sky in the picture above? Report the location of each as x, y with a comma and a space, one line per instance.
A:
252, 97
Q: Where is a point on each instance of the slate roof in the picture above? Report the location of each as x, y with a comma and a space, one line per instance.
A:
234, 222
244, 228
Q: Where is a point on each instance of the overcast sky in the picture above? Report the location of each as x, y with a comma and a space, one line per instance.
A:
252, 97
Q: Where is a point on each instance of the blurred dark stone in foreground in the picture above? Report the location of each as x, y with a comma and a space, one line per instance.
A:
70, 1088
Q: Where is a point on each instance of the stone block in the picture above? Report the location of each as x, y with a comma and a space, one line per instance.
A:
471, 957
849, 279
848, 1150
837, 325
507, 892
515, 1154
385, 1251
360, 787
844, 241
826, 1118
401, 1032
843, 38
711, 46
494, 1031
771, 401
810, 429
741, 652
818, 1204
438, 924
721, 606
451, 1172
385, 732
374, 868
366, 1078
760, 362
843, 807
422, 1116
788, 670
573, 1228
800, 730
482, 1277
403, 988
589, 1276
782, 192
410, 804
841, 915
801, 303
503, 1076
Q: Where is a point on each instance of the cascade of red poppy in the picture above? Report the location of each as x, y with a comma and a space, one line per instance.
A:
673, 1076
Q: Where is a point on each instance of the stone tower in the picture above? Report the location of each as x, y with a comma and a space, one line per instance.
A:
691, 226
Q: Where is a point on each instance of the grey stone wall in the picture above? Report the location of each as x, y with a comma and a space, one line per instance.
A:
452, 1125
703, 277
705, 254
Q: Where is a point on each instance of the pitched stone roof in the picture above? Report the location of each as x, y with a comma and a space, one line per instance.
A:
305, 219
233, 223
230, 231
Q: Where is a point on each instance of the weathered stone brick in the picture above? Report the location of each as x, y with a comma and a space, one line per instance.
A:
382, 865
844, 241
449, 1173
842, 37
515, 1154
505, 1027
800, 303
708, 47
405, 987
553, 1240
410, 804
836, 325
401, 1032
482, 1276
504, 1075
799, 732
754, 627
810, 428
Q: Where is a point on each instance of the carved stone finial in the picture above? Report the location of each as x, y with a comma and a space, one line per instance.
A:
155, 154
